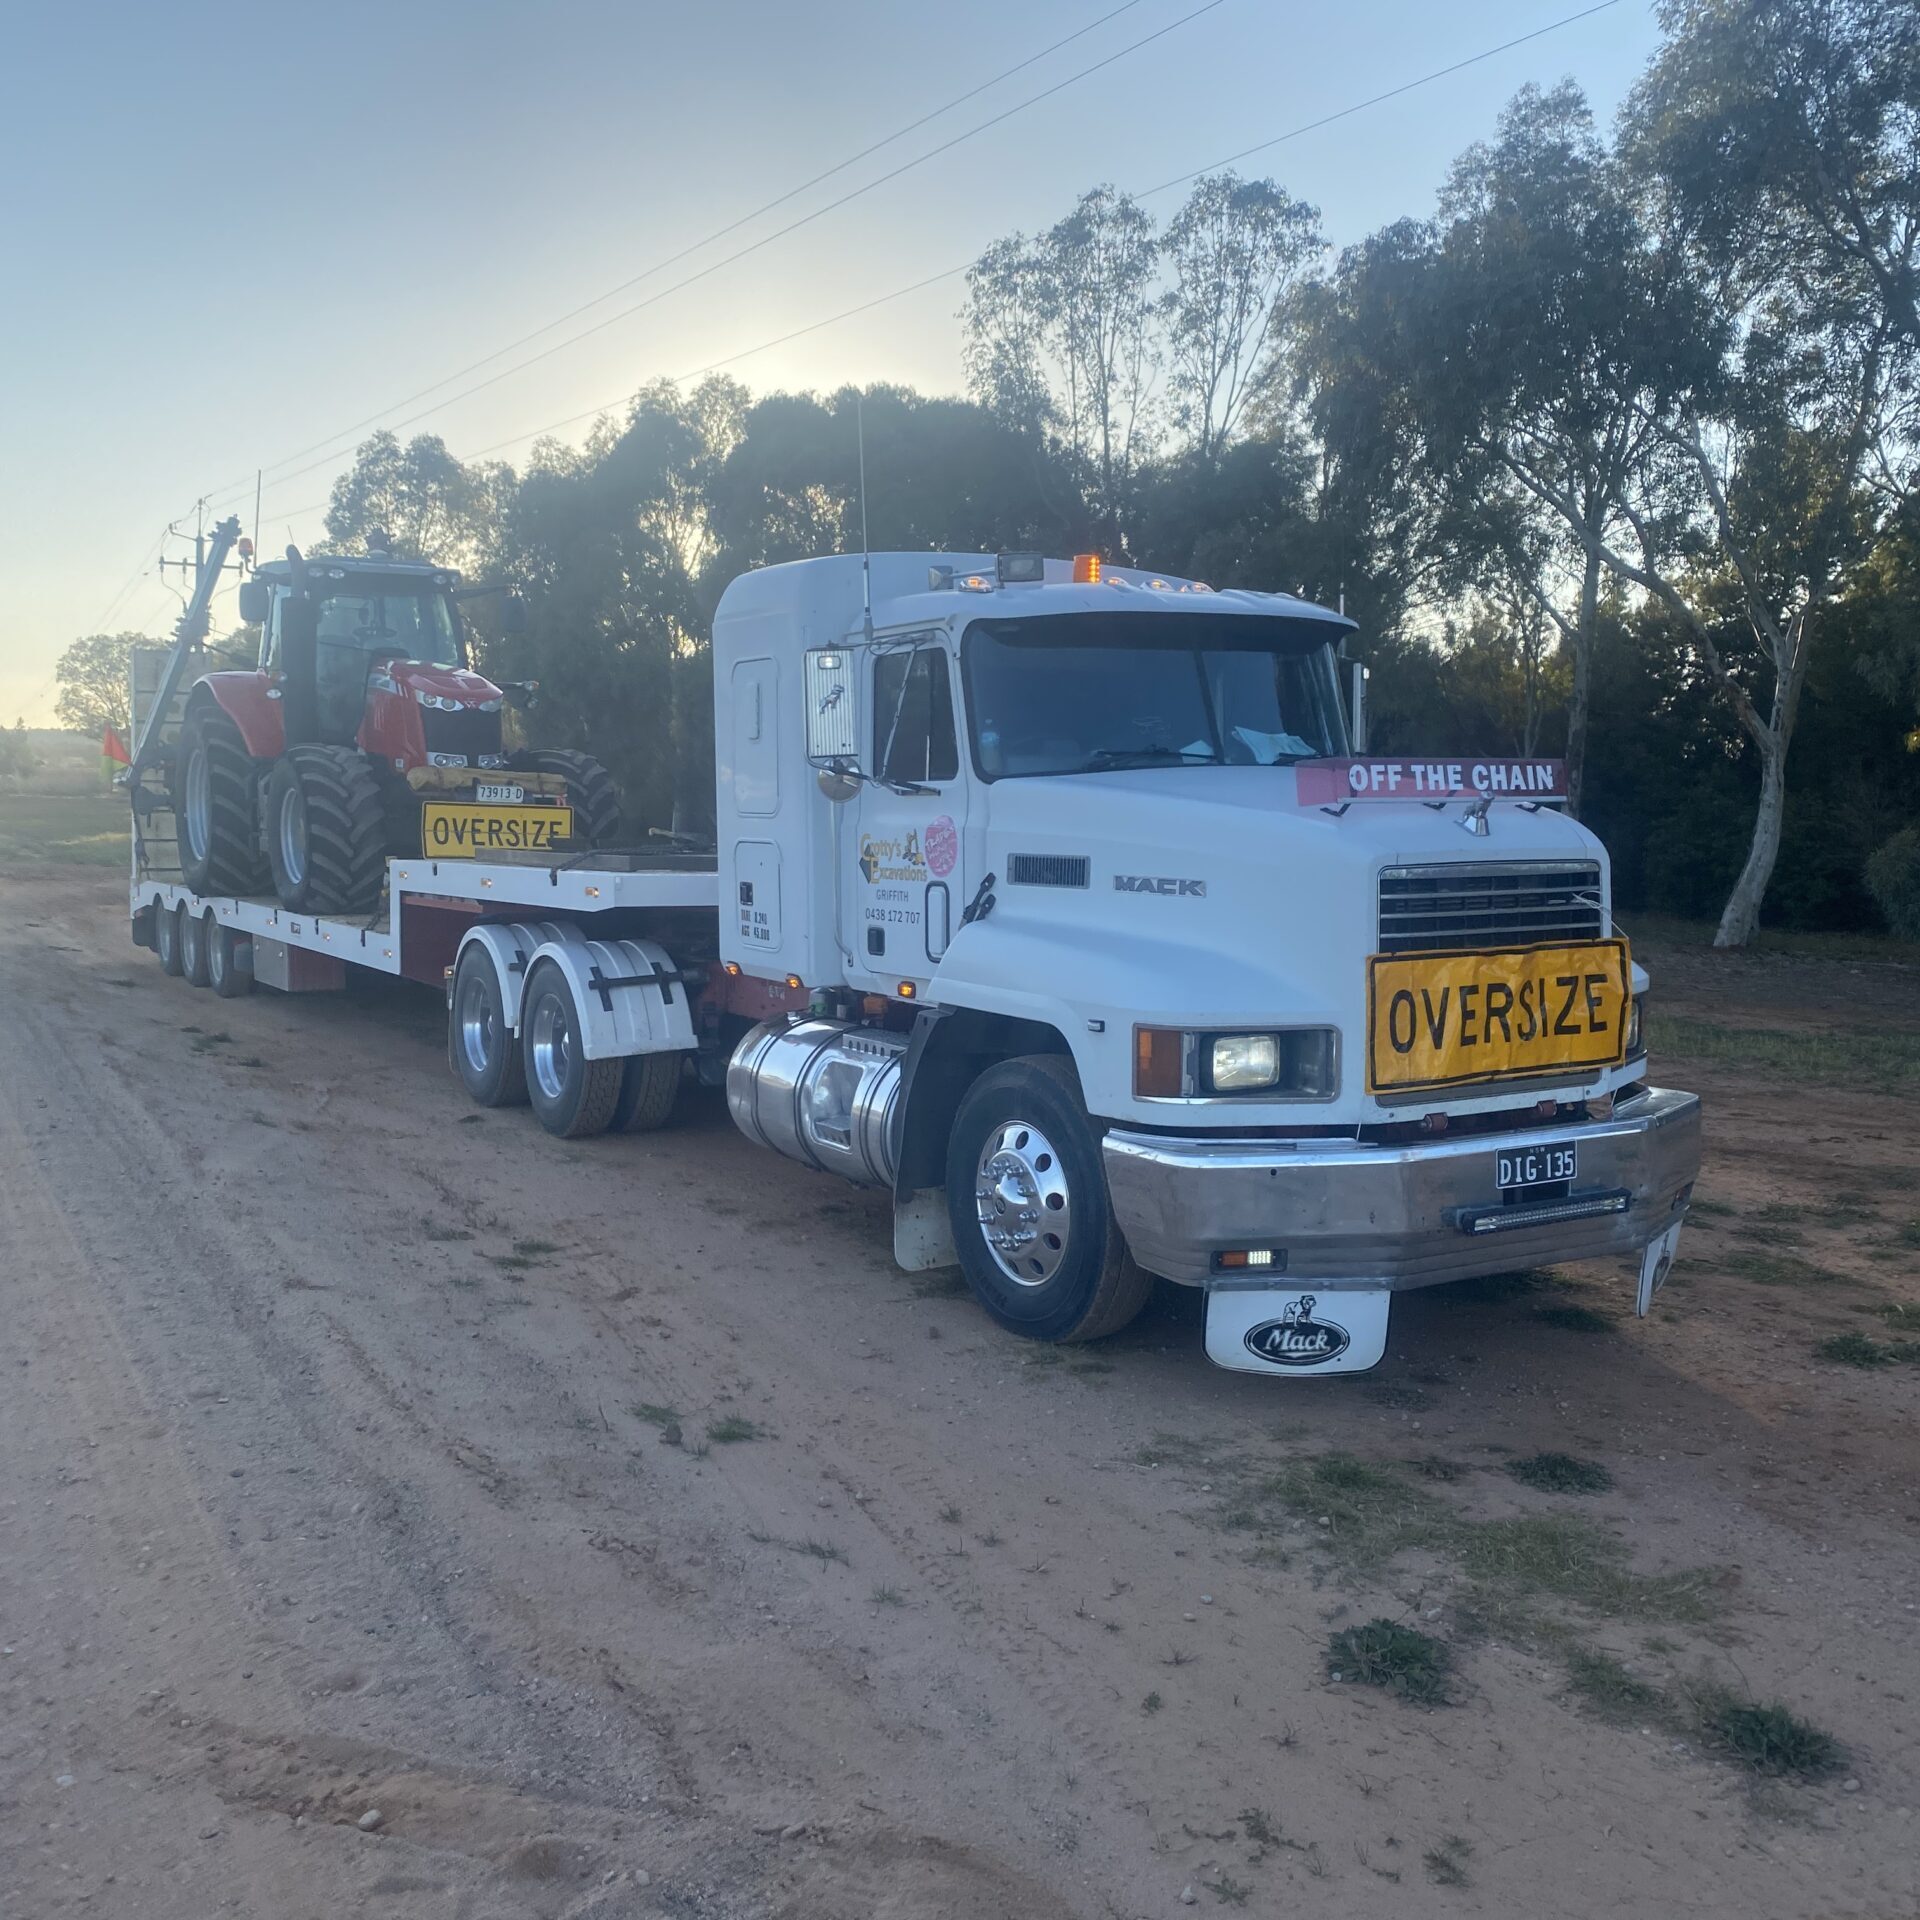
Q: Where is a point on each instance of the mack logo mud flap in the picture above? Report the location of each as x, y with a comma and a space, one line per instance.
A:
1656, 1263
1272, 1330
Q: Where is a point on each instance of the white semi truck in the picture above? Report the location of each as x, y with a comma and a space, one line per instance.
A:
1055, 900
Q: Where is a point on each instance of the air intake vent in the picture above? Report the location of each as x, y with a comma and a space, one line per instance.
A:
1047, 869
1471, 904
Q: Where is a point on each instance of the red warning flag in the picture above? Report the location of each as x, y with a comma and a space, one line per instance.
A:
112, 747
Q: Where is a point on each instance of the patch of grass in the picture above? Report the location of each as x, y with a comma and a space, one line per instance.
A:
536, 1249
437, 1233
1446, 1863
654, 1414
950, 1514
1886, 1061
1767, 1738
206, 1042
1260, 1827
1570, 1318
1385, 1654
1857, 1350
64, 829
1710, 1209
1571, 1559
1907, 1233
1903, 1316
513, 1262
1610, 1688
1779, 1270
731, 1430
1436, 1466
886, 1596
1152, 1703
1560, 1473
1228, 1891
822, 1550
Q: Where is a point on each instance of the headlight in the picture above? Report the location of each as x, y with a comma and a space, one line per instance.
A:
1294, 1063
1243, 1060
1636, 1031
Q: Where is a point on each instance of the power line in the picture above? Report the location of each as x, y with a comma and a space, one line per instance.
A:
741, 253
953, 272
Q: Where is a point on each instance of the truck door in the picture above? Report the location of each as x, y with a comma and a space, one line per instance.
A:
908, 887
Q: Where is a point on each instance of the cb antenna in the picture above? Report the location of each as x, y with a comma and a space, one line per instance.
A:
866, 554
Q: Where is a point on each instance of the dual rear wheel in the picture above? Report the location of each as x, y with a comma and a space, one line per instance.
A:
544, 1064
198, 948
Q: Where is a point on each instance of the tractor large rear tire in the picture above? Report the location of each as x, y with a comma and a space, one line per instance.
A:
326, 831
216, 796
591, 794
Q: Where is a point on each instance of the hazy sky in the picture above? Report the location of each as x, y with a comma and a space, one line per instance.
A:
223, 247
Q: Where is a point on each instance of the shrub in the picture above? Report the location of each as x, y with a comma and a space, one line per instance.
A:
1893, 878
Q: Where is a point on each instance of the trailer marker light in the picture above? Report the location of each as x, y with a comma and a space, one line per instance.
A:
1086, 569
731, 968
908, 990
795, 982
593, 893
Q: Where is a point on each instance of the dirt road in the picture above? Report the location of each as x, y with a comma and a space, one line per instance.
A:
619, 1526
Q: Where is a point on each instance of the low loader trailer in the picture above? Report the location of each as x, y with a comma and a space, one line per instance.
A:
1064, 903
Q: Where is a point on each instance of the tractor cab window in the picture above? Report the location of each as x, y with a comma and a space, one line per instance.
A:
417, 625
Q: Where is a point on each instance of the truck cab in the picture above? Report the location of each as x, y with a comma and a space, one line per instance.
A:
1366, 1025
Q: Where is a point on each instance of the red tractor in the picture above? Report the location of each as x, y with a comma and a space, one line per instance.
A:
363, 733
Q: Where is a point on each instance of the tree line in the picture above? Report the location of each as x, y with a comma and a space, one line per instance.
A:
1611, 455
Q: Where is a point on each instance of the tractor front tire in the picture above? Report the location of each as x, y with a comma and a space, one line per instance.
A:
215, 806
591, 794
326, 831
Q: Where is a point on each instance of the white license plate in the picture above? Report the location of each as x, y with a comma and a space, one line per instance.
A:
1534, 1166
498, 793
1297, 1330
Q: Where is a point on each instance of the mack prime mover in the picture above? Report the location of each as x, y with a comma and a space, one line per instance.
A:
1056, 900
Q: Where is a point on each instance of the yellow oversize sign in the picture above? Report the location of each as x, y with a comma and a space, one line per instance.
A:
1443, 1019
460, 832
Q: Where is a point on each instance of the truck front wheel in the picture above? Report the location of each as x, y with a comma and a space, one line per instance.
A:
1027, 1200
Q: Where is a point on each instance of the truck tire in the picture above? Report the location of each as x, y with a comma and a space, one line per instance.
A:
481, 1048
591, 794
193, 947
649, 1089
571, 1095
326, 831
216, 799
166, 938
229, 961
1027, 1201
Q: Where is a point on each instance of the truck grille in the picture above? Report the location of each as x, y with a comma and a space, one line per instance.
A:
1470, 904
469, 733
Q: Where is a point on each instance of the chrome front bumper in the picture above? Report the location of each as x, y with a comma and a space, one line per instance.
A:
1345, 1213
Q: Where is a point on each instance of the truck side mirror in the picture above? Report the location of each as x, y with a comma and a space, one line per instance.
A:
513, 616
256, 602
832, 706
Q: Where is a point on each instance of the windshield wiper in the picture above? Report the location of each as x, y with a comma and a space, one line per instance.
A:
1120, 756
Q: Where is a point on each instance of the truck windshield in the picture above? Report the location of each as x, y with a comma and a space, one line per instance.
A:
413, 623
1085, 693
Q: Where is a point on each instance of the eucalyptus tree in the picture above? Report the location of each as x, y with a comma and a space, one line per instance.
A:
1239, 250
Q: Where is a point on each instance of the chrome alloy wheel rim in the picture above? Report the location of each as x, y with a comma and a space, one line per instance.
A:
551, 1054
1025, 1207
479, 1031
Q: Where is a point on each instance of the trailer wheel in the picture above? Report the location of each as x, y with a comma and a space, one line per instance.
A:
591, 794
482, 1049
649, 1089
166, 937
193, 947
1027, 1201
572, 1096
229, 960
216, 805
326, 831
